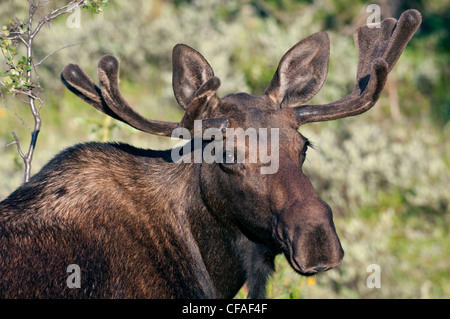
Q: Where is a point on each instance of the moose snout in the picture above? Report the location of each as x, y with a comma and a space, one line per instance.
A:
308, 238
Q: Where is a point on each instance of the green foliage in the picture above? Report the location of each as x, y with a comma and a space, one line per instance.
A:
388, 188
16, 78
96, 6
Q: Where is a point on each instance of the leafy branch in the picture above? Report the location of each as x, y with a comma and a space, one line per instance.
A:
21, 77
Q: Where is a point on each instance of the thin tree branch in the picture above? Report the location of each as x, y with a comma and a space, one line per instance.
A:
34, 135
19, 149
29, 91
41, 102
19, 36
62, 48
15, 113
56, 13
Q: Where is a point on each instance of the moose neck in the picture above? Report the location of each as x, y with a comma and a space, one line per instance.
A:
220, 244
224, 249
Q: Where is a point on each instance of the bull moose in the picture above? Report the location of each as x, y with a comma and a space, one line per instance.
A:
139, 224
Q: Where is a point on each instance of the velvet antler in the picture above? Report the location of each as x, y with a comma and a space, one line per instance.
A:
378, 51
108, 99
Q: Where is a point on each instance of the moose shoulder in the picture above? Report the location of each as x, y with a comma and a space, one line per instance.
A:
140, 224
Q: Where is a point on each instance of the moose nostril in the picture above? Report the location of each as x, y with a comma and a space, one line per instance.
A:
320, 268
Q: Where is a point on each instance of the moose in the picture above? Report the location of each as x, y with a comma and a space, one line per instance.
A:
140, 225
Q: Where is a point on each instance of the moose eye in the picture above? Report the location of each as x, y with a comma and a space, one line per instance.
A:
228, 157
230, 164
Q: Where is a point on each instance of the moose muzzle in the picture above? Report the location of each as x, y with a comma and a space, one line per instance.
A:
308, 237
303, 224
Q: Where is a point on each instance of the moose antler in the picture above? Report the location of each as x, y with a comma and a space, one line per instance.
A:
378, 51
110, 101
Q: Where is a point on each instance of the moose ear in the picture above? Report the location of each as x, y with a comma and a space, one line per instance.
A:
190, 72
301, 72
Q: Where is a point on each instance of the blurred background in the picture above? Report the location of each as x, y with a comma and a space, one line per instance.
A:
384, 173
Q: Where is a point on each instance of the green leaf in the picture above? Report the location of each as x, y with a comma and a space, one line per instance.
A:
7, 80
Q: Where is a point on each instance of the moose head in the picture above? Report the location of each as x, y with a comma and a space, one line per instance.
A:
279, 210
